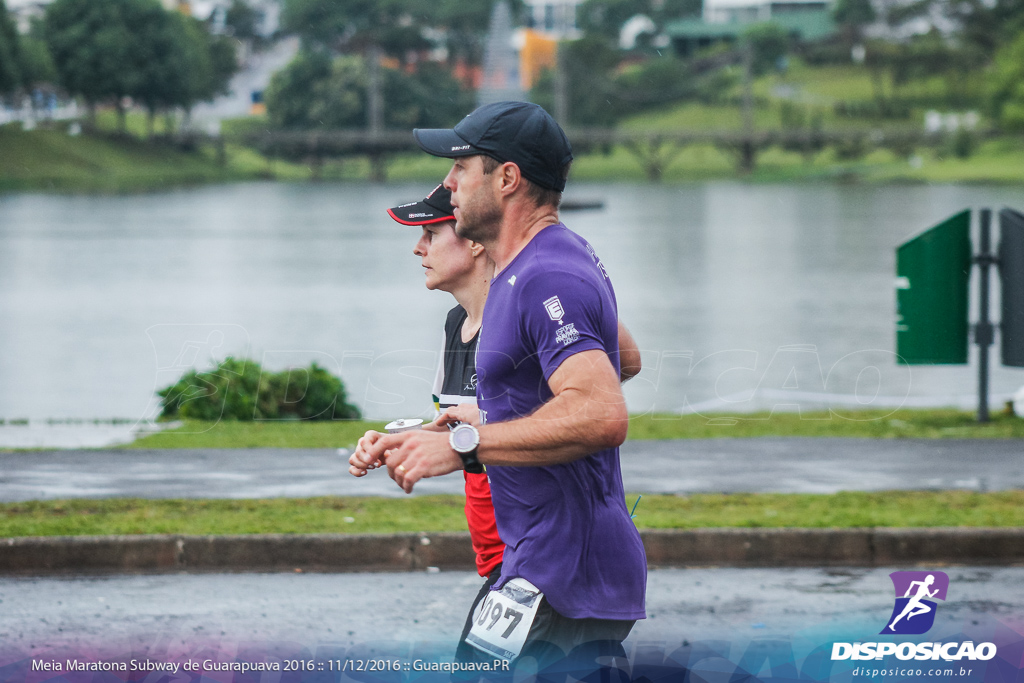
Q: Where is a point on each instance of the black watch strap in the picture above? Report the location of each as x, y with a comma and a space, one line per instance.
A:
470, 463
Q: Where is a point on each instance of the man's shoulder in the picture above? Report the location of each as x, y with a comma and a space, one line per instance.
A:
555, 249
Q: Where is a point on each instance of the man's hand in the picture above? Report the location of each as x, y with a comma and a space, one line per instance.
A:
411, 456
464, 412
359, 463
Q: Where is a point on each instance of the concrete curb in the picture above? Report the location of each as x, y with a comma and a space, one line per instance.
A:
453, 551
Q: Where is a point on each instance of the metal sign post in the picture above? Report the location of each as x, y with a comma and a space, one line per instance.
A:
983, 329
933, 275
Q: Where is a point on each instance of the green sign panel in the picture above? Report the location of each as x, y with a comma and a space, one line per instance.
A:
932, 275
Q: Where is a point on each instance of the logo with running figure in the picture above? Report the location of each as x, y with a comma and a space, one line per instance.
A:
916, 592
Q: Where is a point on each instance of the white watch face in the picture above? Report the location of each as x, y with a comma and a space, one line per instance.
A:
464, 438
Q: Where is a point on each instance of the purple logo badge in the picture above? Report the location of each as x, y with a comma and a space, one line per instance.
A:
916, 592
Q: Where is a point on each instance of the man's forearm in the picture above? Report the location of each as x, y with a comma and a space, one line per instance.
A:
569, 426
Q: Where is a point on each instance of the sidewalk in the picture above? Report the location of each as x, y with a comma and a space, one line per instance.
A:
764, 465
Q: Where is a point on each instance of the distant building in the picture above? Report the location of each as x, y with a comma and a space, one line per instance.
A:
214, 11
726, 20
24, 11
553, 18
751, 11
501, 78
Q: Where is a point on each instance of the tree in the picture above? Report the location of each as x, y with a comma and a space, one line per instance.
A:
464, 24
770, 43
106, 50
1006, 86
164, 63
317, 91
853, 16
10, 54
98, 49
988, 24
209, 62
342, 25
291, 93
654, 82
36, 62
600, 93
395, 26
241, 20
430, 97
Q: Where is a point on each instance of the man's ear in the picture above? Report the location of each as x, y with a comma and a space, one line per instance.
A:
511, 178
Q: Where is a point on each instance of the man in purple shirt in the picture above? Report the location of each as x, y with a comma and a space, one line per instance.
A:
548, 392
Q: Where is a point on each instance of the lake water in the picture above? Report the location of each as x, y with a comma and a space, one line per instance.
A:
742, 297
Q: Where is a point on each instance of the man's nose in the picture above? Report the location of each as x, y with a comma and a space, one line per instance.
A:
449, 180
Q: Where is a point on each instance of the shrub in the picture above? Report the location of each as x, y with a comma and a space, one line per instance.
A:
239, 389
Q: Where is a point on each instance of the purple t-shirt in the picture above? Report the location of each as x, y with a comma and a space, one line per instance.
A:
566, 527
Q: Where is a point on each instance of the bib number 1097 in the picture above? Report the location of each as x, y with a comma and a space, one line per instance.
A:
503, 619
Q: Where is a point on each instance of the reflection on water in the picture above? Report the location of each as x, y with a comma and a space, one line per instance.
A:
742, 297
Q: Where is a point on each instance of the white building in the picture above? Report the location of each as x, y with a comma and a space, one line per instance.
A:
553, 18
749, 11
267, 11
24, 11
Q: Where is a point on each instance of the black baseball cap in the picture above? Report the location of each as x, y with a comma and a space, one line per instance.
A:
434, 208
520, 132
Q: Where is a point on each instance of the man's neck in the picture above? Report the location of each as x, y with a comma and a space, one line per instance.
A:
516, 232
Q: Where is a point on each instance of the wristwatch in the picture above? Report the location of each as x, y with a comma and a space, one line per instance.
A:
464, 440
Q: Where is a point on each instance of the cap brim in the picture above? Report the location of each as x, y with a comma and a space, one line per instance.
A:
443, 142
418, 213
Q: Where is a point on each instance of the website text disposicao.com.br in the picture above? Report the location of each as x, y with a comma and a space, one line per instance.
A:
957, 659
905, 672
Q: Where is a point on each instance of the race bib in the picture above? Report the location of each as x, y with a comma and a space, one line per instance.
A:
503, 618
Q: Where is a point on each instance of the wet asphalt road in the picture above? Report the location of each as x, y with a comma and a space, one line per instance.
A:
132, 612
785, 465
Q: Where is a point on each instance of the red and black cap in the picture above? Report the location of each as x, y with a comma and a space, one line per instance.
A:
520, 132
434, 208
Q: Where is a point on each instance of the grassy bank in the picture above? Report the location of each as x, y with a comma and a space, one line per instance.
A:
999, 161
921, 424
51, 160
444, 513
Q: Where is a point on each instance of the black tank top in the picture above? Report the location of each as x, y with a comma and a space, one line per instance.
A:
459, 362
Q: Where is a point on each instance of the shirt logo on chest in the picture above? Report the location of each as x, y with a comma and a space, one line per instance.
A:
554, 309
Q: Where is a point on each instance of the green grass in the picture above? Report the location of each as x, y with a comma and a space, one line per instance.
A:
996, 161
444, 513
817, 88
840, 510
51, 160
703, 117
880, 424
79, 517
873, 424
820, 85
283, 434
